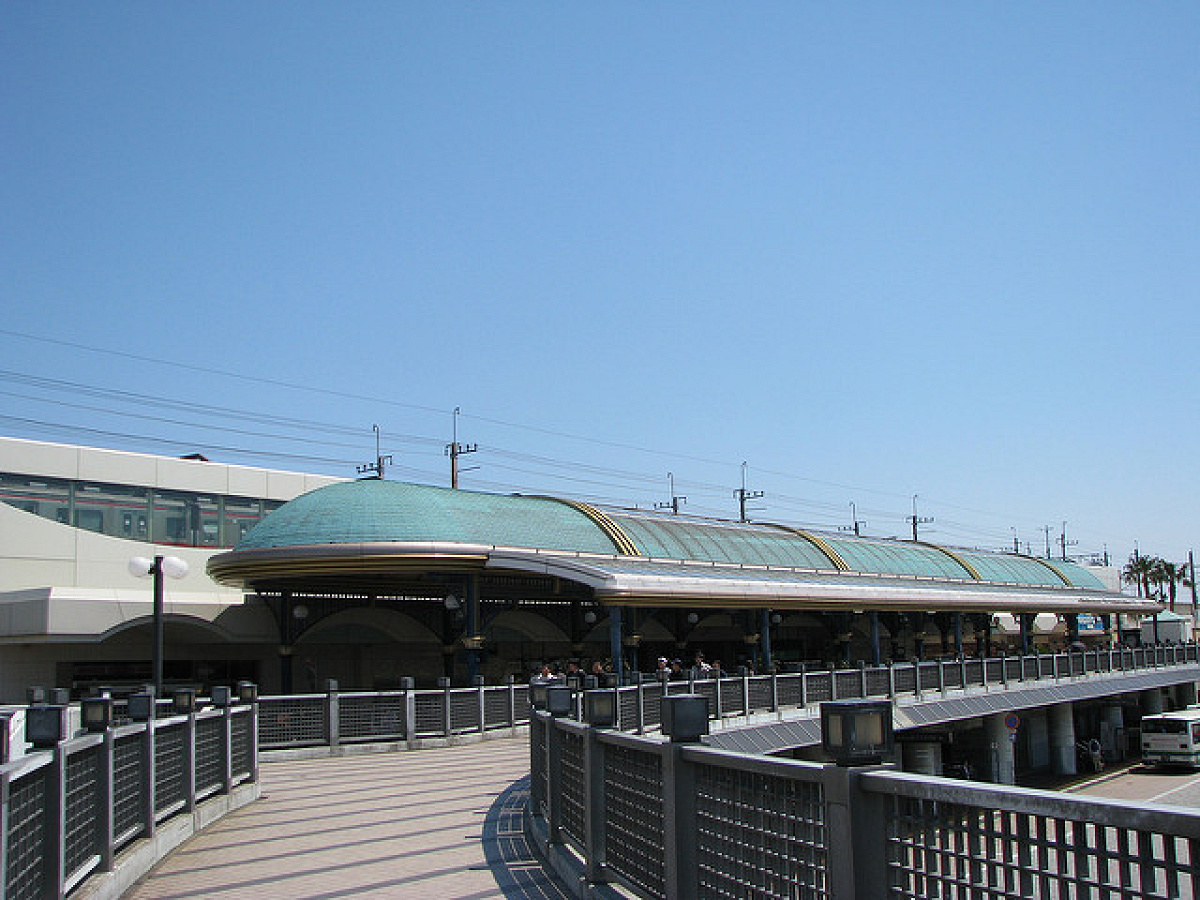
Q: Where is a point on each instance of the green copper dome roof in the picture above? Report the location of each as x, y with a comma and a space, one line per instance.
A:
372, 510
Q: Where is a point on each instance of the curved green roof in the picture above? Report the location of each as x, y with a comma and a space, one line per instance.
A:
674, 537
381, 512
373, 510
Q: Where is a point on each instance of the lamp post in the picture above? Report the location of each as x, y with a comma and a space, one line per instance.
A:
141, 567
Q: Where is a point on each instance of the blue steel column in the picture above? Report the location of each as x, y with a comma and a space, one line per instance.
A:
875, 656
472, 625
765, 629
614, 641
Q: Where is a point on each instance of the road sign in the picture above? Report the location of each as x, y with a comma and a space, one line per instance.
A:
1012, 721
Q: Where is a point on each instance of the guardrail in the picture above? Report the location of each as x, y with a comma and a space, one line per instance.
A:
66, 812
333, 718
683, 821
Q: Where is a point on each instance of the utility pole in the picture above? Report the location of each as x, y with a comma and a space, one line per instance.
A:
1047, 530
1192, 576
743, 495
855, 522
376, 468
918, 520
454, 450
675, 501
1016, 540
1065, 543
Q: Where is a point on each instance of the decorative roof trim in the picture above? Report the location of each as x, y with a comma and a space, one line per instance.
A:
954, 556
833, 555
622, 541
1055, 569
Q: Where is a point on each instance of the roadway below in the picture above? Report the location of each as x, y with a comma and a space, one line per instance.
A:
1144, 784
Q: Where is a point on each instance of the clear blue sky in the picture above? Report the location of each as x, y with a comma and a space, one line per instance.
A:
871, 249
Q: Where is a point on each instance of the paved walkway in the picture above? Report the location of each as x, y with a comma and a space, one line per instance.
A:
440, 823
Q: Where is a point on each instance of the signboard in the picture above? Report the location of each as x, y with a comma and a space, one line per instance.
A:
1089, 623
1012, 721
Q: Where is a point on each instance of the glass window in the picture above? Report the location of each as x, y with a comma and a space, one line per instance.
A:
241, 514
112, 509
46, 497
185, 519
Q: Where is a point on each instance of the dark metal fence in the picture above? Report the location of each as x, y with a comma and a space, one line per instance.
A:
65, 812
685, 821
333, 718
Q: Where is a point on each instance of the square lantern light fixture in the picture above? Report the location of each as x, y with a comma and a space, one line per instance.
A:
600, 708
247, 692
857, 732
45, 726
685, 717
221, 695
183, 701
537, 693
96, 712
559, 700
141, 707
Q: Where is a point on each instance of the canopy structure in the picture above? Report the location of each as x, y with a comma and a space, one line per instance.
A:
375, 536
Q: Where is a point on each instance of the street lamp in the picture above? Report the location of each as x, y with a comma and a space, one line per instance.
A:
141, 567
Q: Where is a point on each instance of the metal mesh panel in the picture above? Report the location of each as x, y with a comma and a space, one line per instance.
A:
760, 694
731, 696
291, 721
759, 835
633, 802
464, 711
878, 684
431, 713
929, 675
210, 753
496, 710
995, 670
571, 782
789, 690
372, 716
951, 850
168, 768
81, 834
537, 765
953, 675
652, 695
128, 800
819, 687
25, 864
849, 684
974, 671
708, 690
241, 745
521, 703
627, 714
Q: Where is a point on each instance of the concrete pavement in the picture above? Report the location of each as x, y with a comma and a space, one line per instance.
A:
439, 823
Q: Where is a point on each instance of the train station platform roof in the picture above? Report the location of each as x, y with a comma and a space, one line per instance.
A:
363, 534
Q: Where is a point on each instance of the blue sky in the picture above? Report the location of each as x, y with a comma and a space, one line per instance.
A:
872, 250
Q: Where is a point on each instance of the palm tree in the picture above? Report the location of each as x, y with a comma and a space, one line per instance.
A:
1138, 572
1174, 575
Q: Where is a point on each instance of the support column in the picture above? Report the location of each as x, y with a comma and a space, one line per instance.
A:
1185, 694
1112, 732
922, 757
1002, 762
1152, 702
1062, 739
765, 630
958, 635
875, 656
615, 642
472, 626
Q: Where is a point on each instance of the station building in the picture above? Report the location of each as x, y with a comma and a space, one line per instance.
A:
297, 578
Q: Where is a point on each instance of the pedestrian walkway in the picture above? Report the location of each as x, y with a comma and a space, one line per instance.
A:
444, 823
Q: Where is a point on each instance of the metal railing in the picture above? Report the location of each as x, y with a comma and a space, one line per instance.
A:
65, 812
684, 821
334, 718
